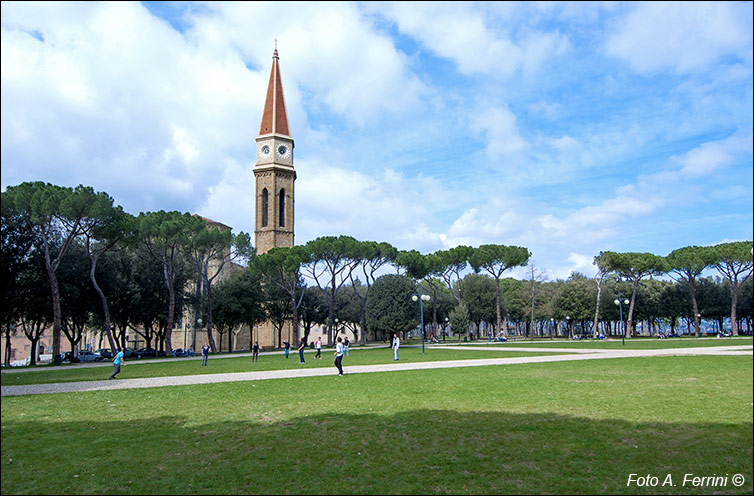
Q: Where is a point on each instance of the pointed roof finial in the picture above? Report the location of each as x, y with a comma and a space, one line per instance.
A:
274, 116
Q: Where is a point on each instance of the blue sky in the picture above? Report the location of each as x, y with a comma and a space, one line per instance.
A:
568, 128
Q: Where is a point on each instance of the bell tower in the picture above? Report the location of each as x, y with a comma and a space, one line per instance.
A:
274, 173
274, 176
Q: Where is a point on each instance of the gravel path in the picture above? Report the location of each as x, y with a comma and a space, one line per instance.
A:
570, 355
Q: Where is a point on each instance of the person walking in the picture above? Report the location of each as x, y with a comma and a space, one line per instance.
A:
318, 346
119, 360
346, 344
301, 346
205, 354
287, 347
255, 352
339, 355
396, 345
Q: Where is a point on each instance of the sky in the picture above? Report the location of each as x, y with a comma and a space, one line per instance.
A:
567, 128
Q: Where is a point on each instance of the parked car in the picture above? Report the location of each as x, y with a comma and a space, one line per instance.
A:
105, 352
68, 357
146, 353
130, 353
180, 352
89, 356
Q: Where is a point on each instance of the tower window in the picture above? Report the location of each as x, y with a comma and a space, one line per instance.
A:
282, 207
265, 206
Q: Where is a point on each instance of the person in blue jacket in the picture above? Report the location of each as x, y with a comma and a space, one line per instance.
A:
117, 362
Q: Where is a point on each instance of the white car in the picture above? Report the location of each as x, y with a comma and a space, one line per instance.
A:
89, 356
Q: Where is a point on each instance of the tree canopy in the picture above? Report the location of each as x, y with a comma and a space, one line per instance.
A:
389, 305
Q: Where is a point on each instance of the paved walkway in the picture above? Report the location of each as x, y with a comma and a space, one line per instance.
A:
568, 355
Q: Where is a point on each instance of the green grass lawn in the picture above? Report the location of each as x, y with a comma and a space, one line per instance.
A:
227, 364
556, 428
631, 344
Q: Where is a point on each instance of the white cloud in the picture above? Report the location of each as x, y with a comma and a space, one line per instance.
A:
423, 238
387, 205
335, 67
478, 41
671, 35
231, 200
708, 157
565, 144
501, 132
549, 110
183, 145
115, 82
147, 106
580, 263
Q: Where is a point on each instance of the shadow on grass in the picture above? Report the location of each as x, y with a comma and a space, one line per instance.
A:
415, 452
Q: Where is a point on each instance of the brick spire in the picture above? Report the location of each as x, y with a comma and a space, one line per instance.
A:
274, 117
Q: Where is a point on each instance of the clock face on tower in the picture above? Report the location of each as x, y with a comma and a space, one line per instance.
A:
265, 150
283, 151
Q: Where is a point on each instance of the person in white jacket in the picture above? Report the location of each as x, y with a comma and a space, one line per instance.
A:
339, 356
396, 345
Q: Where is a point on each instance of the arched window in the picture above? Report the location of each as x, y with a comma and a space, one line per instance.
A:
265, 206
282, 207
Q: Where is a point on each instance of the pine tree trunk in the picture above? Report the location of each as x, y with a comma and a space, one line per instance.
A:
103, 300
733, 322
210, 337
171, 309
597, 309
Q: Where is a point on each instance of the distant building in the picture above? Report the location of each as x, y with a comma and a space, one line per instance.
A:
190, 331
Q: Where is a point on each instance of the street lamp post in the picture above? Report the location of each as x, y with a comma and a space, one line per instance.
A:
568, 326
620, 301
198, 324
552, 328
421, 298
699, 324
445, 331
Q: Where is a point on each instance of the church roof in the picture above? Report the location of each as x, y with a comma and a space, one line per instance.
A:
274, 117
212, 222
